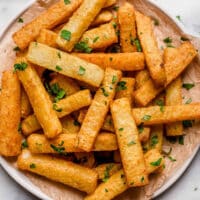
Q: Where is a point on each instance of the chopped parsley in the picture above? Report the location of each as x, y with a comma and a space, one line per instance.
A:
56, 91
81, 71
160, 103
187, 123
83, 47
95, 39
58, 68
104, 92
67, 2
24, 144
19, 129
156, 163
181, 140
107, 172
59, 55
142, 179
55, 107
167, 154
141, 128
132, 183
110, 59
172, 159
66, 35
136, 42
20, 66
156, 21
20, 20
168, 42
114, 25
188, 101
106, 190
121, 86
188, 86
131, 143
32, 166
146, 117
154, 141
121, 129
179, 18
16, 48
58, 149
114, 79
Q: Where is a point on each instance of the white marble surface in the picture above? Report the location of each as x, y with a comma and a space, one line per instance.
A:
188, 186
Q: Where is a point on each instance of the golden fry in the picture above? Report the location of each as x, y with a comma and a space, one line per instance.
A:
146, 93
140, 78
93, 122
152, 53
128, 90
174, 97
116, 184
59, 170
128, 141
120, 61
73, 103
10, 138
106, 170
30, 125
104, 17
47, 37
144, 134
38, 143
108, 124
168, 114
48, 19
25, 104
176, 60
70, 125
109, 3
65, 64
126, 18
79, 23
39, 99
100, 37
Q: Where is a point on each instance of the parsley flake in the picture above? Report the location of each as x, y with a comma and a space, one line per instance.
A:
58, 68
104, 92
76, 123
154, 141
188, 86
146, 117
24, 144
179, 18
58, 149
32, 166
106, 190
160, 103
16, 48
95, 39
181, 140
131, 143
141, 128
66, 35
114, 79
83, 47
67, 2
20, 66
81, 71
55, 107
107, 172
142, 179
136, 42
121, 129
115, 8
156, 163
121, 86
20, 20
188, 101
59, 55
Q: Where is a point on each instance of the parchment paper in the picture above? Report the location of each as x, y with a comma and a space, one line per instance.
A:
166, 28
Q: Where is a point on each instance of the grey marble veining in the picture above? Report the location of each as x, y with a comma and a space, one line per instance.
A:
188, 186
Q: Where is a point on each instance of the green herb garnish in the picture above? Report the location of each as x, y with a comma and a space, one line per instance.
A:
16, 48
141, 128
160, 103
146, 117
20, 20
95, 39
59, 55
154, 141
116, 8
67, 2
24, 144
188, 86
121, 129
188, 101
156, 163
20, 66
121, 86
66, 35
55, 107
56, 91
58, 149
83, 47
32, 166
76, 123
136, 42
81, 71
104, 92
181, 140
114, 79
107, 172
58, 68
131, 143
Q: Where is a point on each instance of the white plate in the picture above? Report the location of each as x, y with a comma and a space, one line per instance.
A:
21, 179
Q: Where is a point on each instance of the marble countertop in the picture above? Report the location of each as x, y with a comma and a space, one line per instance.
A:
188, 186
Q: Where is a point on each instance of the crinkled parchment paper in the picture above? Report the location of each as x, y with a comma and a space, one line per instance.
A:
181, 153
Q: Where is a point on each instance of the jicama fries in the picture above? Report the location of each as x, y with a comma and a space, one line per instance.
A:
174, 97
109, 3
104, 17
25, 104
92, 123
39, 98
65, 64
66, 143
129, 144
151, 51
100, 37
10, 138
81, 20
126, 18
117, 183
59, 170
141, 77
155, 115
49, 19
176, 60
120, 61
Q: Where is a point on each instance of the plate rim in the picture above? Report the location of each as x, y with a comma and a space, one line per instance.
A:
29, 186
